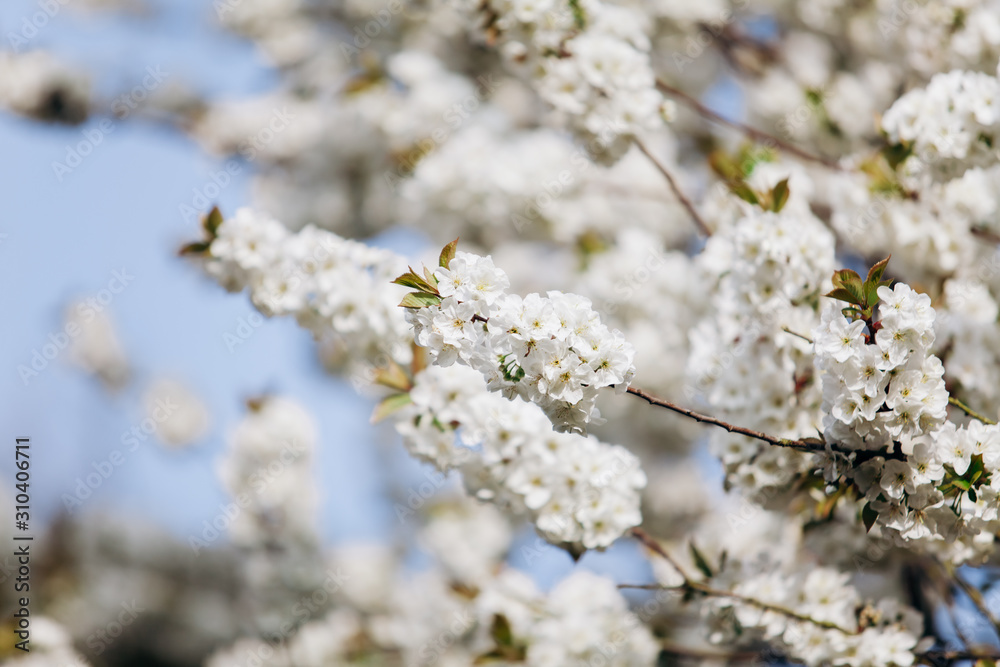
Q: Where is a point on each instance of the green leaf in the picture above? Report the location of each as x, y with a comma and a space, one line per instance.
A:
416, 281
845, 278
500, 631
408, 279
976, 469
743, 191
853, 289
579, 17
419, 300
212, 221
447, 254
871, 290
875, 273
724, 165
779, 195
699, 560
389, 405
896, 154
842, 294
431, 280
197, 248
393, 376
868, 515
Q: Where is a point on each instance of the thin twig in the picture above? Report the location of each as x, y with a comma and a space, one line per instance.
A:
685, 202
759, 135
800, 445
969, 411
975, 595
805, 338
698, 587
654, 546
689, 585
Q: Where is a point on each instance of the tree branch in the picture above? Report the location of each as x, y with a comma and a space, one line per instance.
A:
691, 586
969, 411
759, 135
685, 202
974, 594
799, 445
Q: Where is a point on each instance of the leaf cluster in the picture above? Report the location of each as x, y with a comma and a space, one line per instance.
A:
425, 286
861, 294
210, 223
734, 170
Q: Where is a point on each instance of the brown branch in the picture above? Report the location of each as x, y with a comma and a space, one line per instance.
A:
691, 586
685, 202
697, 587
654, 546
969, 411
805, 338
975, 595
759, 135
799, 445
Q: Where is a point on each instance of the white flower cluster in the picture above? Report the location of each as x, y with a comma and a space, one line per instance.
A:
95, 347
951, 124
944, 498
842, 631
180, 416
968, 327
338, 289
580, 493
586, 621
886, 392
929, 238
592, 60
769, 269
268, 472
37, 85
511, 192
432, 617
882, 388
537, 184
552, 350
